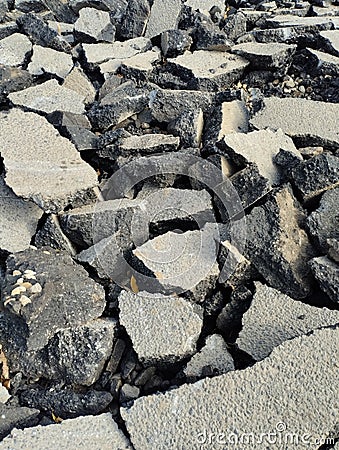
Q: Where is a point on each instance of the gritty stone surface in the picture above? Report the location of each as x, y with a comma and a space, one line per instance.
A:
94, 25
180, 260
181, 418
135, 19
95, 432
65, 402
47, 60
120, 104
90, 224
229, 117
49, 97
273, 56
167, 105
99, 53
260, 148
309, 122
45, 167
209, 70
51, 235
277, 246
326, 273
325, 63
214, 358
333, 249
161, 328
317, 175
323, 223
189, 127
148, 144
175, 42
274, 317
59, 295
14, 49
18, 220
77, 81
205, 6
164, 16
16, 416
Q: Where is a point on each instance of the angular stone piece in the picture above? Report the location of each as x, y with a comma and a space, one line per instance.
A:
119, 105
13, 79
140, 66
99, 53
14, 49
41, 34
91, 223
61, 11
78, 355
213, 359
94, 25
47, 60
323, 224
235, 25
229, 117
208, 36
330, 40
135, 19
303, 23
18, 220
164, 16
16, 417
181, 261
167, 105
67, 298
316, 175
189, 127
77, 81
259, 148
162, 329
258, 398
43, 167
276, 57
208, 70
95, 432
250, 185
326, 273
274, 317
175, 42
66, 403
277, 246
308, 122
49, 97
51, 235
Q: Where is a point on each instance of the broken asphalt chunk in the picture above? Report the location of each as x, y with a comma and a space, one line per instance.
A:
162, 328
326, 272
274, 317
30, 171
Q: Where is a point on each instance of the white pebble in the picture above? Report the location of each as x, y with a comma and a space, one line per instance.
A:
29, 277
19, 281
35, 289
16, 273
24, 300
29, 272
18, 290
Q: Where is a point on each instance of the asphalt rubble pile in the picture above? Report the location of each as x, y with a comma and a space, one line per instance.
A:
169, 228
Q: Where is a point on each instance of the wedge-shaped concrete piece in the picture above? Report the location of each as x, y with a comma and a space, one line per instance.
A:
209, 70
14, 49
162, 328
260, 148
289, 395
49, 97
94, 432
273, 56
274, 317
41, 165
164, 16
18, 220
47, 60
308, 122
